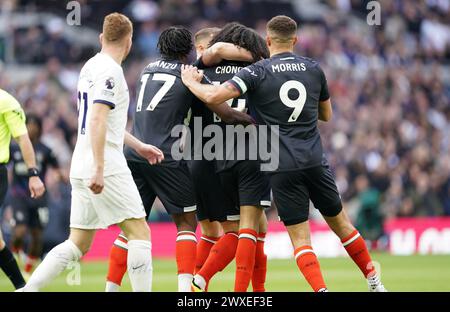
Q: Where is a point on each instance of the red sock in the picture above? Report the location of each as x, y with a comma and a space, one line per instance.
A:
185, 252
260, 270
245, 259
309, 266
203, 248
118, 260
31, 261
220, 256
357, 250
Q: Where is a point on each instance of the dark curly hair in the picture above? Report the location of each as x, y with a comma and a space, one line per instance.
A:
175, 43
243, 37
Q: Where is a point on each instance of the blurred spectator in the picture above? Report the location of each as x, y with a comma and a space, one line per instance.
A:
369, 219
148, 39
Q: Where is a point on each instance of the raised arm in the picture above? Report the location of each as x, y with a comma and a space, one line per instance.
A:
225, 51
210, 94
153, 154
230, 115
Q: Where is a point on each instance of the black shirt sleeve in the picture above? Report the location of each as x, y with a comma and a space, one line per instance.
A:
248, 78
324, 94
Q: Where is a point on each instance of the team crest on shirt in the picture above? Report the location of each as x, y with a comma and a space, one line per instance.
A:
251, 72
109, 83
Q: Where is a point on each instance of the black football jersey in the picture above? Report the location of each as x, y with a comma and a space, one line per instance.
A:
44, 159
163, 102
217, 75
285, 91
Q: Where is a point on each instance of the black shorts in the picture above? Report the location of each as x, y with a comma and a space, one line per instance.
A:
292, 191
3, 183
172, 185
246, 185
29, 211
212, 203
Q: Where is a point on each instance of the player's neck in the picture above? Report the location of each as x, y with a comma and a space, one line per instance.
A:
281, 50
114, 53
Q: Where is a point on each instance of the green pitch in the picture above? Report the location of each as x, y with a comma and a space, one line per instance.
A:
408, 273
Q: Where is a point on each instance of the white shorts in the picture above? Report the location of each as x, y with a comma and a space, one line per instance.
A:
119, 201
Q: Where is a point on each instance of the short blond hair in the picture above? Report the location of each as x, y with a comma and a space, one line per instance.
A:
206, 33
116, 27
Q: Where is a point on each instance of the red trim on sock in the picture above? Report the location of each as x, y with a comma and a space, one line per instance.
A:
355, 232
222, 253
245, 260
203, 251
359, 253
117, 263
186, 253
310, 268
260, 269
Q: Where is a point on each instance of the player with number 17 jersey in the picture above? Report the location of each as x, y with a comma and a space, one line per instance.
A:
163, 103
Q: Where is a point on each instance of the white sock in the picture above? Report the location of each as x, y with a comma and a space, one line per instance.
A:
200, 281
184, 282
139, 265
53, 264
112, 287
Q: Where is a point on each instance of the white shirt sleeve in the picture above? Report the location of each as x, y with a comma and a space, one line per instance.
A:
106, 88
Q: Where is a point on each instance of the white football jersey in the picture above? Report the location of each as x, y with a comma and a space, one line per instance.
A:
101, 81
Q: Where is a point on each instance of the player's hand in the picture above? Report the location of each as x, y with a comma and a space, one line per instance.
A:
36, 187
97, 182
190, 74
153, 154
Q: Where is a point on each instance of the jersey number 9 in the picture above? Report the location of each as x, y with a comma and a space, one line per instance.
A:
296, 104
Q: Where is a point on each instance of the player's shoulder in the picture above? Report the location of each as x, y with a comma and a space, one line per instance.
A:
7, 102
102, 64
309, 62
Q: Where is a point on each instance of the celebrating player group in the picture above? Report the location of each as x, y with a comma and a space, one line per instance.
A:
239, 81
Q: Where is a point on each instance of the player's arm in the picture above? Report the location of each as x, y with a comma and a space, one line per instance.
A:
15, 120
325, 110
230, 115
153, 154
212, 95
98, 124
220, 51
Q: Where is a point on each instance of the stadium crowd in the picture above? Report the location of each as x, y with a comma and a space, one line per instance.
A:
389, 140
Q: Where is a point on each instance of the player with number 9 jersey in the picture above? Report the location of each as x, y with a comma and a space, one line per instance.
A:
285, 90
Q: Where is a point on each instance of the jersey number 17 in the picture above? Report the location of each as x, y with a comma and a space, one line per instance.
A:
168, 80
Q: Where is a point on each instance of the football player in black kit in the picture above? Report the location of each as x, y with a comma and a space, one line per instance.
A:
290, 92
162, 105
242, 183
30, 214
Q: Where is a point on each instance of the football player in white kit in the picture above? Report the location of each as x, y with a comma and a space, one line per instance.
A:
103, 190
